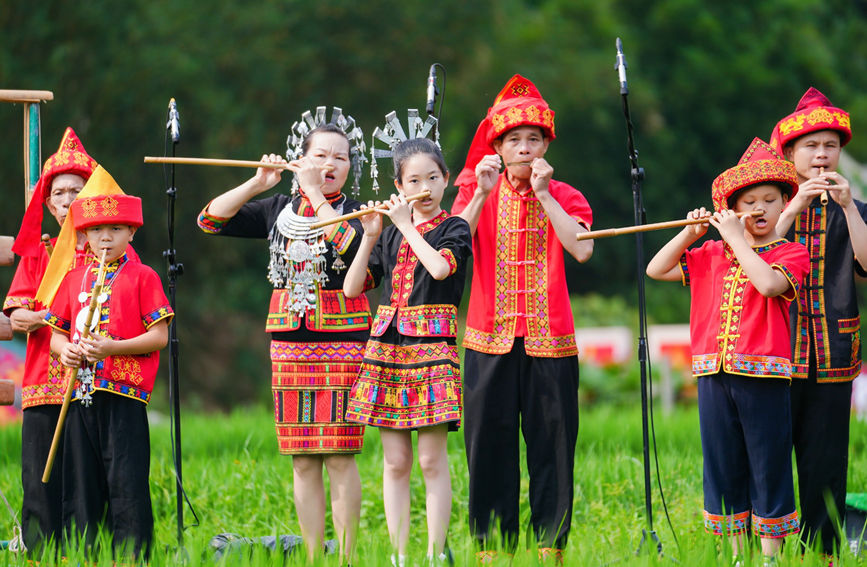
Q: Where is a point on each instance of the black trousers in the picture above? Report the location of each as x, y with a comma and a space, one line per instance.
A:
106, 482
820, 432
539, 396
41, 507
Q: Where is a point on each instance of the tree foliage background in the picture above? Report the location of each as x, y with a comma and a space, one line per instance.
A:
705, 78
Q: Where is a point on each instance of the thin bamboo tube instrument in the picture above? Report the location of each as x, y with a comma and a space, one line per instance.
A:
362, 212
212, 161
69, 373
654, 226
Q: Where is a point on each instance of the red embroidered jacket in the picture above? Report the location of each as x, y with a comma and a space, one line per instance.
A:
732, 326
519, 279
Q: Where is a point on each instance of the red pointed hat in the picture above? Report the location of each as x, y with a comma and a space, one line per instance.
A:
107, 209
760, 164
814, 112
519, 103
69, 158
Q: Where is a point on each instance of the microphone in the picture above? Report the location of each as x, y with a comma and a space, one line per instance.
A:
174, 124
431, 89
620, 66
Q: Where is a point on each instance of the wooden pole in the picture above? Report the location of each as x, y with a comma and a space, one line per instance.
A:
655, 226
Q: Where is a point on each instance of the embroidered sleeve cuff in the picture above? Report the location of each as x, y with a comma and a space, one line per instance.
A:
582, 222
684, 271
340, 236
450, 258
58, 323
156, 316
209, 223
18, 302
792, 293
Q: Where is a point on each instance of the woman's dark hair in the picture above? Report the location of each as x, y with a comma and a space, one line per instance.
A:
325, 128
784, 188
409, 148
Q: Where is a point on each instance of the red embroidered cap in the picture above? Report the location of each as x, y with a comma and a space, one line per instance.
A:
69, 158
519, 103
759, 164
107, 209
814, 112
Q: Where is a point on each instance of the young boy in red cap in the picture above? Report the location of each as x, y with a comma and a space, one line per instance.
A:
63, 176
826, 341
521, 362
107, 445
740, 288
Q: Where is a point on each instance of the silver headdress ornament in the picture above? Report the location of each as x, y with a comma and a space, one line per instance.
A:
309, 121
392, 134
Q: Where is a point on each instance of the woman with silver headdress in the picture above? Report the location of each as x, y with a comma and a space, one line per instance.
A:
317, 334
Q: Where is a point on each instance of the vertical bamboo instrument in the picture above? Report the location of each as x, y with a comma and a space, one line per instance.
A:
69, 373
654, 226
824, 198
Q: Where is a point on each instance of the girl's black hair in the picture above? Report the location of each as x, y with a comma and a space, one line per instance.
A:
409, 148
325, 128
784, 188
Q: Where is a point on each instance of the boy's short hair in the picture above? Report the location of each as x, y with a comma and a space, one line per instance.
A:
760, 165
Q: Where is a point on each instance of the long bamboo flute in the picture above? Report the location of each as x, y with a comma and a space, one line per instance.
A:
69, 374
362, 212
213, 161
654, 226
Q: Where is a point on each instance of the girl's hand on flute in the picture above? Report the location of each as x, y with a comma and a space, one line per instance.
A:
697, 230
371, 222
268, 177
399, 211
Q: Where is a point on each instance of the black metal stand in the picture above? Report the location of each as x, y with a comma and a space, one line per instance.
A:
174, 271
637, 175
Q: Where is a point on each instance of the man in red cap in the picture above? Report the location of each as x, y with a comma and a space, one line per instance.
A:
826, 343
521, 363
107, 447
63, 176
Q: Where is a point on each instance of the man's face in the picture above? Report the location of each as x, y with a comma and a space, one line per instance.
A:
519, 147
813, 153
64, 189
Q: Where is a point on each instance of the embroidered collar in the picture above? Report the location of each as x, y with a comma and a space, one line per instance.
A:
527, 195
757, 249
305, 209
428, 226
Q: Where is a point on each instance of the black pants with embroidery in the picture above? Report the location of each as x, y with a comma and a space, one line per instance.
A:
41, 506
106, 482
820, 432
505, 394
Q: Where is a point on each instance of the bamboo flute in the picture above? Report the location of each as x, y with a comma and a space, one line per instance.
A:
69, 373
224, 162
654, 226
824, 198
362, 212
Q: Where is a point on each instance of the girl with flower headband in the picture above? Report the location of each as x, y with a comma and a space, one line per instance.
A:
410, 377
317, 334
741, 288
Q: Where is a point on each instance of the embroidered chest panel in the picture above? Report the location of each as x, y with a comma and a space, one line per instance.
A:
403, 275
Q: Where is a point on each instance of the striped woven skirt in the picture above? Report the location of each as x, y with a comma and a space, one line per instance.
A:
310, 383
407, 386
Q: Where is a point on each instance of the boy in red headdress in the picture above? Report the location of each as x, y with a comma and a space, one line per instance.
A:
826, 341
741, 287
107, 447
63, 176
521, 363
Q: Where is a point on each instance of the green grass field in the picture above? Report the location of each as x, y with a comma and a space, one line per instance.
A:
238, 483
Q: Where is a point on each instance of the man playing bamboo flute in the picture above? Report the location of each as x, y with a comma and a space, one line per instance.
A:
521, 364
826, 336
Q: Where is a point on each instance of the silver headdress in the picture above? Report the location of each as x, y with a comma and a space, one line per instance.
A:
392, 134
308, 122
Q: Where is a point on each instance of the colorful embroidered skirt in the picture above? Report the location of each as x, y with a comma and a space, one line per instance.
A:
407, 386
311, 383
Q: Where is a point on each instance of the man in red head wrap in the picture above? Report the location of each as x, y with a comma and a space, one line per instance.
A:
63, 176
826, 341
521, 364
